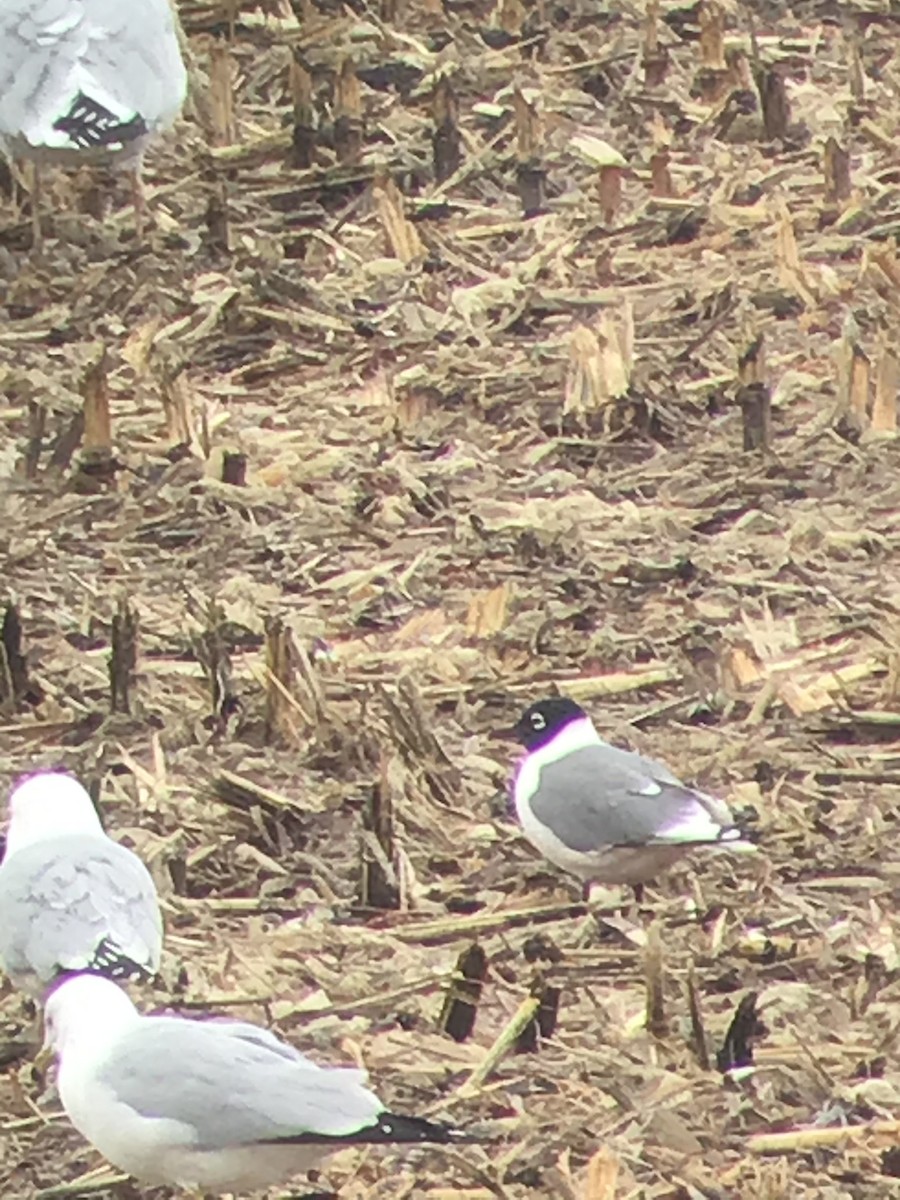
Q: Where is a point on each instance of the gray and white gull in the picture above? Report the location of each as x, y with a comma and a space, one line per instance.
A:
88, 81
210, 1104
71, 899
605, 814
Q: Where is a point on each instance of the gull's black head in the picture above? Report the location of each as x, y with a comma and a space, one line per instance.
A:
543, 720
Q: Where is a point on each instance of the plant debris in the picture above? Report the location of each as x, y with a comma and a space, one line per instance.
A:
476, 352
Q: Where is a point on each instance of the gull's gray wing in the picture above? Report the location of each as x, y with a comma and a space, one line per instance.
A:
62, 898
123, 56
230, 1084
603, 796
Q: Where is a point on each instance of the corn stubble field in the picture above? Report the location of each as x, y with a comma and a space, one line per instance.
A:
478, 351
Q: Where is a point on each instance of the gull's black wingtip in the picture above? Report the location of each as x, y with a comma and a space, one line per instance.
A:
89, 125
392, 1127
109, 960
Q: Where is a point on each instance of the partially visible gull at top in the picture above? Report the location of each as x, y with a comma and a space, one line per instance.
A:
88, 80
71, 898
210, 1104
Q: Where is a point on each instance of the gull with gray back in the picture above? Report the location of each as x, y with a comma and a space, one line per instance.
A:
216, 1105
604, 814
71, 899
88, 80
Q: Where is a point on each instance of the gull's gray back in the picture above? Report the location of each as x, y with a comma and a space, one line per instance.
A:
231, 1084
592, 798
60, 897
126, 49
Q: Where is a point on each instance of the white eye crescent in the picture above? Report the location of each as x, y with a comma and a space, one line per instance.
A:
538, 721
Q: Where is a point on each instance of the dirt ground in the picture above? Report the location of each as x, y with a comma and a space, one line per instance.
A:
479, 456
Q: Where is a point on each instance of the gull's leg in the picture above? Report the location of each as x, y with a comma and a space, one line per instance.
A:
139, 200
37, 240
43, 1060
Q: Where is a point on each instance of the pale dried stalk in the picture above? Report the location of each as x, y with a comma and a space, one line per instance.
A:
402, 235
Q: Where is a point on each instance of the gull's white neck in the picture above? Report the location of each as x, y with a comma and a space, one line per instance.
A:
18, 836
47, 807
87, 1015
575, 736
